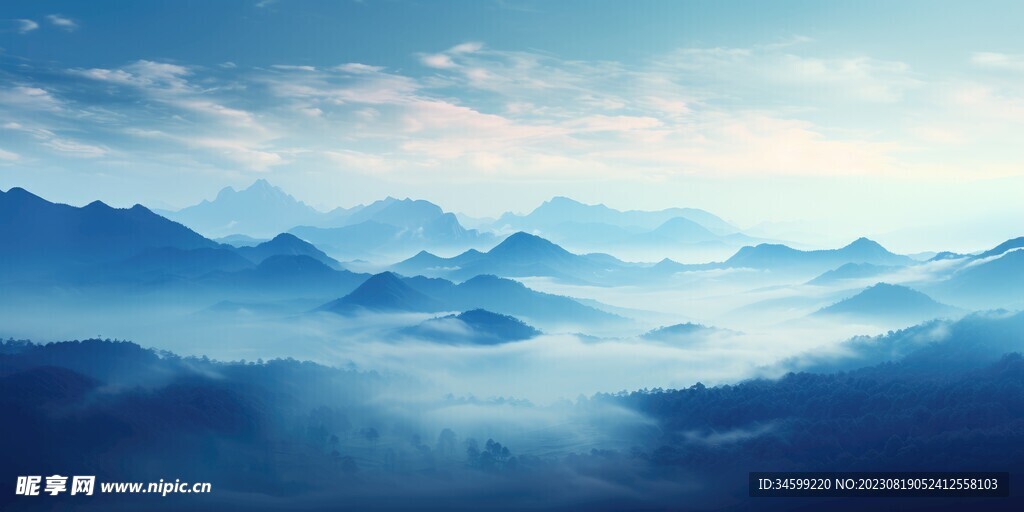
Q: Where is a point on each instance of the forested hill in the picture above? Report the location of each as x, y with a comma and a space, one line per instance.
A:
238, 424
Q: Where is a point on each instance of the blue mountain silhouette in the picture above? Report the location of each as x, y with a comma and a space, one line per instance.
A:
384, 292
994, 278
889, 301
477, 326
1013, 243
403, 213
562, 210
597, 227
40, 236
519, 255
390, 292
286, 244
391, 226
777, 256
261, 210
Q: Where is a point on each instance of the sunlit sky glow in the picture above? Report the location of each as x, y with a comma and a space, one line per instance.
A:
899, 120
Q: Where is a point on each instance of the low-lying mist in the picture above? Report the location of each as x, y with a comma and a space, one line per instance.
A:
558, 364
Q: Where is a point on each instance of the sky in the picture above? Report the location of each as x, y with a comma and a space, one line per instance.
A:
897, 120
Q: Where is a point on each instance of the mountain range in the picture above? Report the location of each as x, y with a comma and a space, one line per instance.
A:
585, 227
992, 279
261, 210
525, 255
41, 237
388, 292
783, 258
518, 255
386, 227
393, 226
396, 227
562, 210
286, 244
96, 245
48, 244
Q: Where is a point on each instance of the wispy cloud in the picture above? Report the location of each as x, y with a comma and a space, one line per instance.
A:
998, 61
293, 67
474, 112
29, 98
144, 74
444, 60
851, 77
63, 22
60, 145
542, 116
347, 83
75, 148
230, 133
25, 26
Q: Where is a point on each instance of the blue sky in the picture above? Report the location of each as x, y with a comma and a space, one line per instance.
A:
894, 119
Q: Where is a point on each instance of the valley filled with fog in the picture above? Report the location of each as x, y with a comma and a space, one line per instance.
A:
555, 332
596, 330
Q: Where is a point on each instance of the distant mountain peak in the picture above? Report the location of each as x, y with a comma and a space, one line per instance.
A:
384, 292
285, 238
502, 327
566, 205
384, 282
522, 247
522, 239
564, 200
223, 193
887, 287
478, 326
260, 186
889, 291
864, 243
259, 210
18, 192
386, 277
286, 244
889, 300
491, 279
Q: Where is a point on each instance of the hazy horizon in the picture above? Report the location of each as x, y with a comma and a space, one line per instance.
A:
659, 255
855, 127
